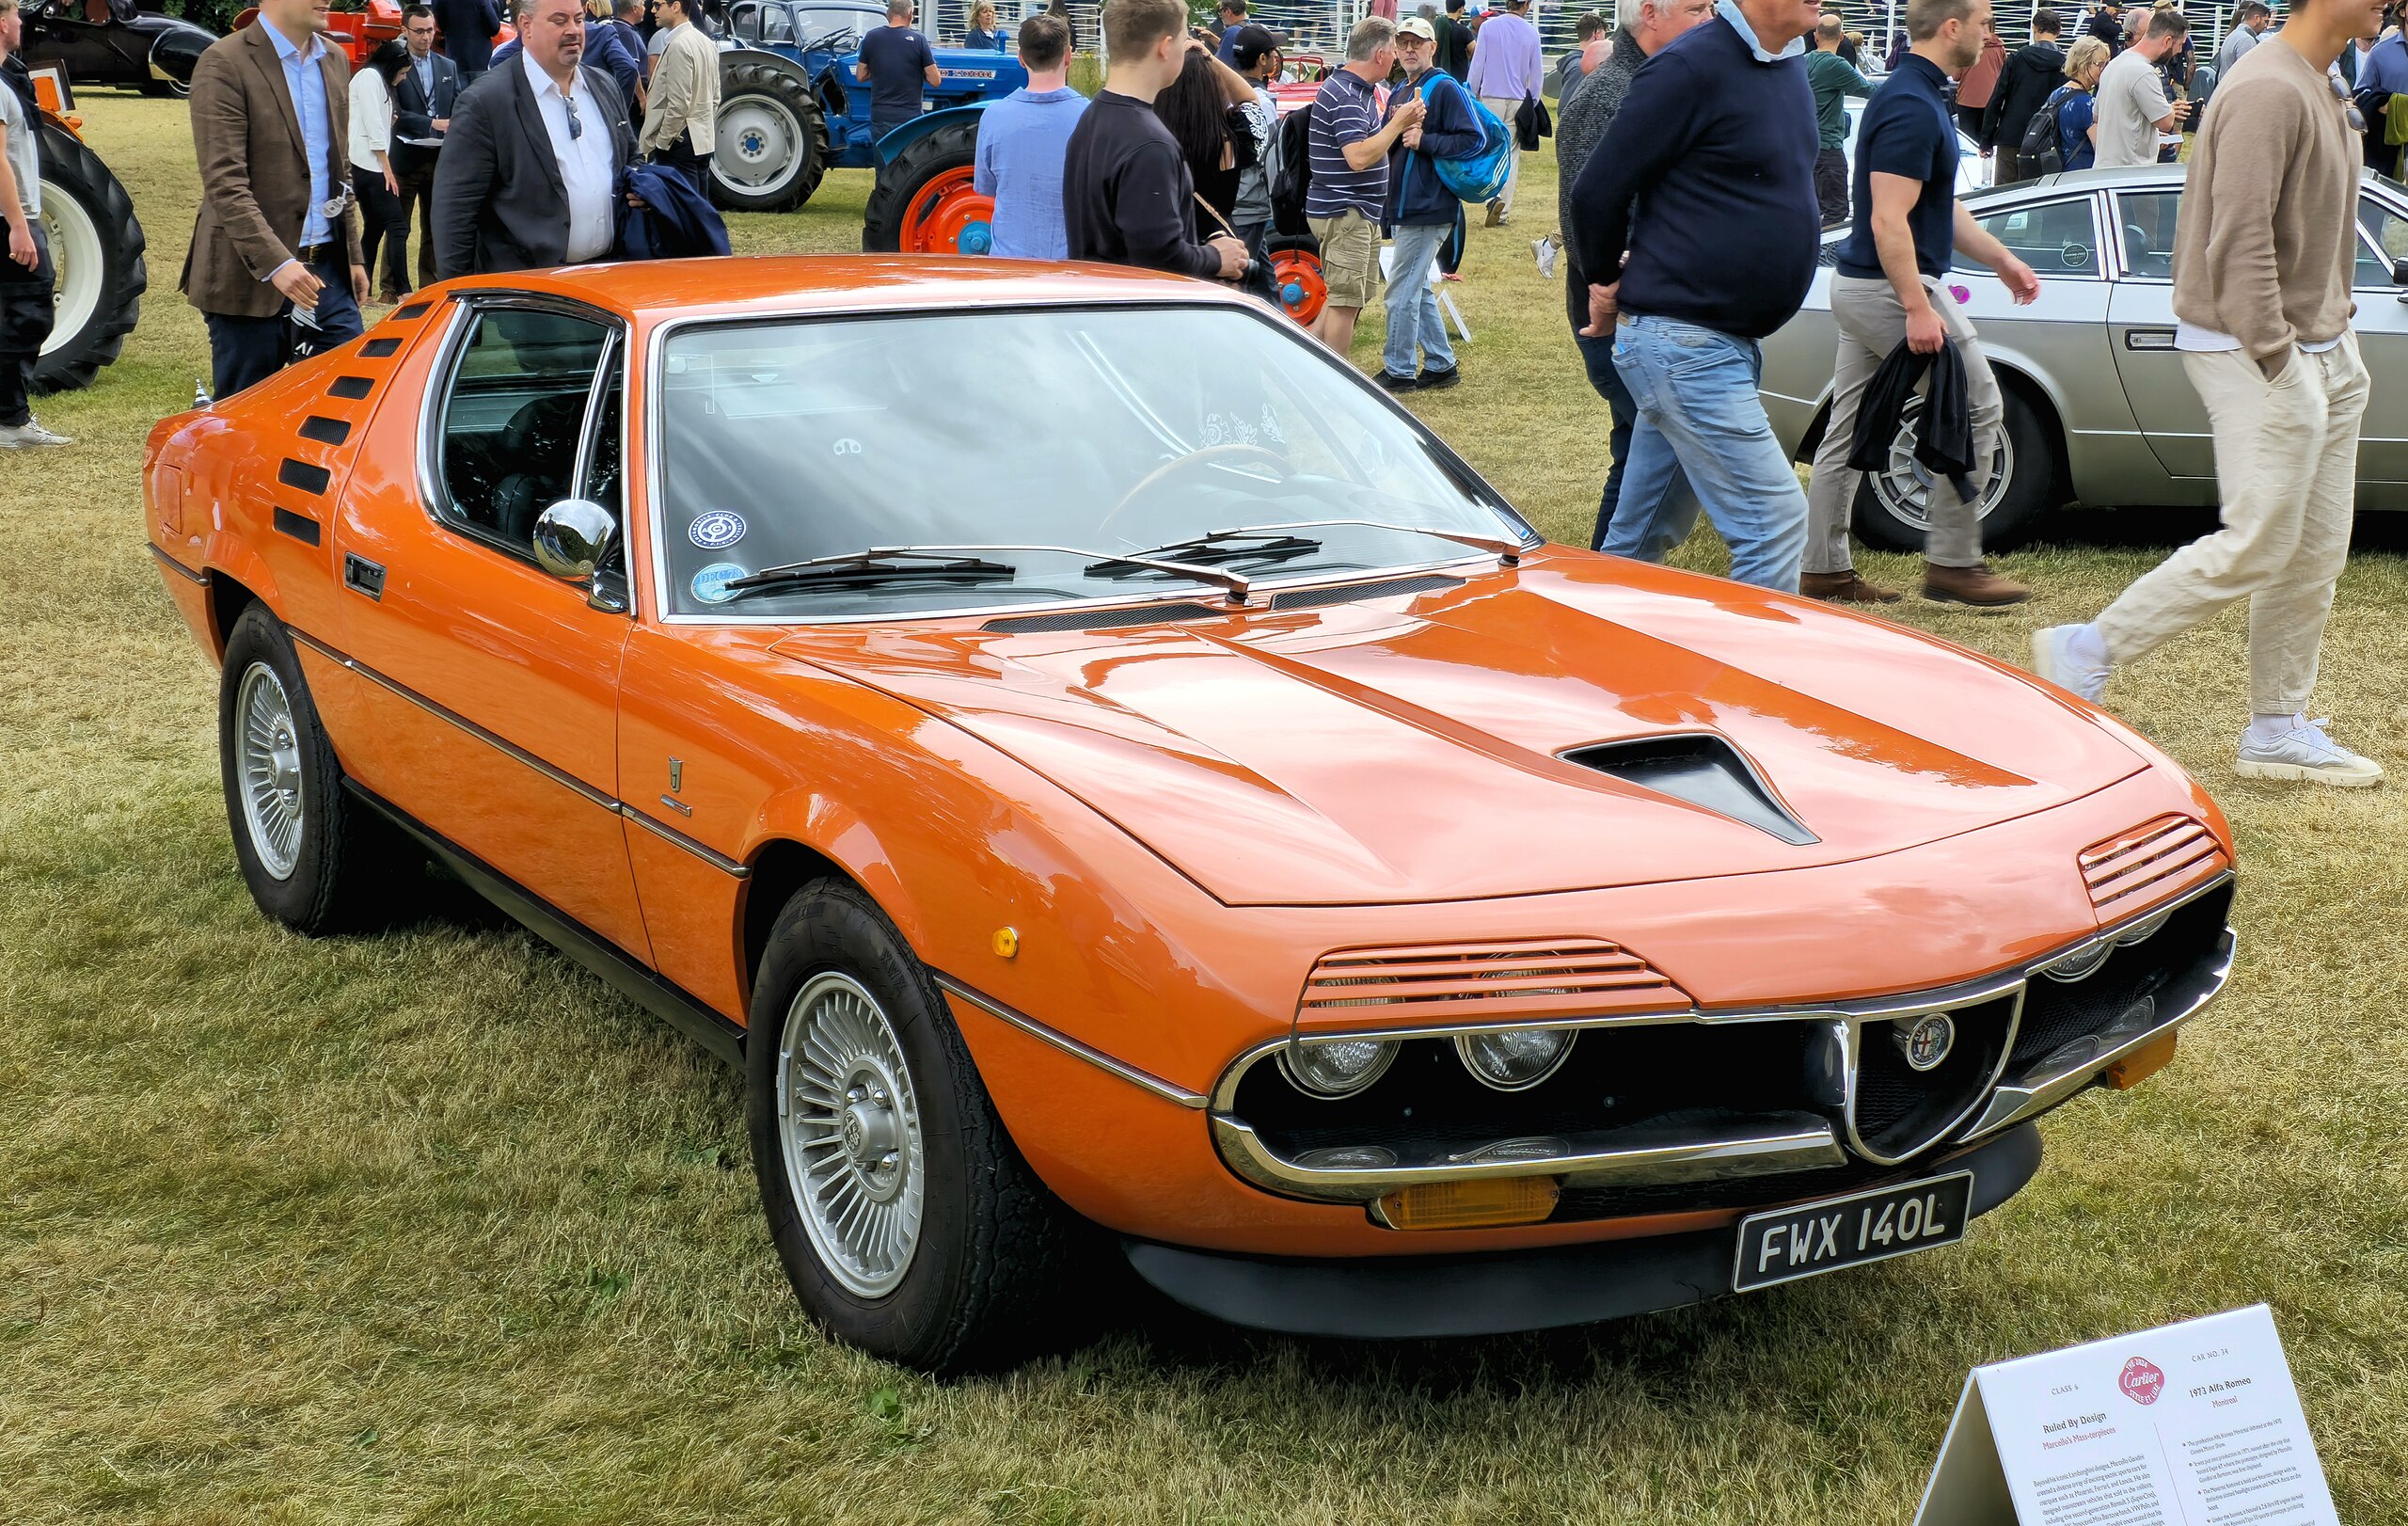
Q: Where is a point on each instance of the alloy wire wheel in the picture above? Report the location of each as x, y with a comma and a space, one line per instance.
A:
849, 1122
1904, 488
271, 770
1894, 505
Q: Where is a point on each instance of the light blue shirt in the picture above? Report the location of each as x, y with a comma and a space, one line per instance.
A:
1022, 140
1729, 10
308, 84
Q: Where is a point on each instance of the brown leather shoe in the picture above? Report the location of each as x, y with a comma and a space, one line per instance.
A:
1976, 586
1844, 588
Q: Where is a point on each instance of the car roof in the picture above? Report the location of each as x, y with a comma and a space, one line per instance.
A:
807, 283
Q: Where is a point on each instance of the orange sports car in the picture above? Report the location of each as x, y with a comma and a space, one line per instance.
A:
1093, 759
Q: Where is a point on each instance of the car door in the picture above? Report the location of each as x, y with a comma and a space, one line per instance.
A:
2382, 326
492, 704
2140, 333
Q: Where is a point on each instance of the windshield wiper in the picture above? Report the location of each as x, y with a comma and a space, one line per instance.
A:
962, 563
1508, 552
1218, 548
880, 563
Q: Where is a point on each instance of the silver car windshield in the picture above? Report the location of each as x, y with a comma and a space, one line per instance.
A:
1097, 431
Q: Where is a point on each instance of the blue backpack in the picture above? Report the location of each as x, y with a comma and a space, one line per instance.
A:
1478, 178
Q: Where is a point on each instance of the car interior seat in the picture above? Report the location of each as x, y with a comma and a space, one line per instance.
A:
539, 460
2140, 258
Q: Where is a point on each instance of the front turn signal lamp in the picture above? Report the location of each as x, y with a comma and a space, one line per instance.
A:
1486, 1203
2141, 1063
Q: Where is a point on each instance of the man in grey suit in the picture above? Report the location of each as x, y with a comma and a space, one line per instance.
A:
530, 168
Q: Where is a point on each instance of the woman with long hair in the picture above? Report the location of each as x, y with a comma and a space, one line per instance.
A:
384, 217
983, 36
1202, 110
2077, 115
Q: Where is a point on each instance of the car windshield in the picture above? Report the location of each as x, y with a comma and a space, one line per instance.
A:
1052, 438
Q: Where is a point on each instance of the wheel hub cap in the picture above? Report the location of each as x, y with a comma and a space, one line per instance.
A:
268, 758
848, 1124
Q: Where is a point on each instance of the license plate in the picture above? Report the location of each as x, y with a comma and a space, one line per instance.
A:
1790, 1243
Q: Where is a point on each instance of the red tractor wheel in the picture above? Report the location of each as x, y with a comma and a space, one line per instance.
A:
948, 216
1295, 273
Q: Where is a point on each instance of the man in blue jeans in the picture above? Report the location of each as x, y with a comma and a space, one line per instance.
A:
1420, 211
1716, 142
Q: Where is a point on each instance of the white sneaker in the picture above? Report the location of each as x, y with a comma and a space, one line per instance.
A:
1543, 250
2306, 753
17, 436
2052, 658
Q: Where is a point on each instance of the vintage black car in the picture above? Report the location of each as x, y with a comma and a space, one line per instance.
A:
112, 42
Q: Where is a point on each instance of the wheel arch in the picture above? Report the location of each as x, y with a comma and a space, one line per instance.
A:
230, 595
926, 125
780, 866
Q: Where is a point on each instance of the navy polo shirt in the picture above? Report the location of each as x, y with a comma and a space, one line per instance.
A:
1906, 132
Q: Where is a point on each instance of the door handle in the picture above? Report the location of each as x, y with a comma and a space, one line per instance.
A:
2148, 338
363, 576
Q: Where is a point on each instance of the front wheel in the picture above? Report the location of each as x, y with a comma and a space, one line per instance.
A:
904, 1217
771, 143
927, 204
97, 249
1894, 505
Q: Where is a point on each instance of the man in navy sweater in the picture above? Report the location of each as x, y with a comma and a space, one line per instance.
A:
1716, 143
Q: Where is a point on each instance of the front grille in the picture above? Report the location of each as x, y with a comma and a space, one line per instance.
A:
2153, 860
2058, 1012
1476, 983
1900, 1110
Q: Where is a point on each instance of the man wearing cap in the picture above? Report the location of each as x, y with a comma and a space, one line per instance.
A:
1506, 70
1420, 211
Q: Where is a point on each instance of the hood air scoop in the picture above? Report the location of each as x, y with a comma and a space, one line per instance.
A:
1703, 770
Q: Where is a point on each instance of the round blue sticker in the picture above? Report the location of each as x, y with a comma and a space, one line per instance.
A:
715, 528
711, 584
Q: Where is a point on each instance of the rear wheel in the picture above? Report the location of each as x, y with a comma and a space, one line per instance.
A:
1894, 505
770, 146
97, 246
925, 202
904, 1217
1295, 275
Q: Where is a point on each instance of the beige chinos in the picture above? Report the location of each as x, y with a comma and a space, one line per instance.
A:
1872, 323
2287, 461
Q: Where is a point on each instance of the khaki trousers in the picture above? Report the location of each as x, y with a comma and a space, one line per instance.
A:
1873, 322
1505, 111
2287, 468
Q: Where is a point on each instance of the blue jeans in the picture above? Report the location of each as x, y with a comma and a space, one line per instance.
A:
1700, 419
246, 351
1414, 318
1598, 356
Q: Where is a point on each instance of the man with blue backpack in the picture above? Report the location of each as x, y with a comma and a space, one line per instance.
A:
1421, 208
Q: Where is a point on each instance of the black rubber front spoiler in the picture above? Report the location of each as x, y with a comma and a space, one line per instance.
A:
1414, 1297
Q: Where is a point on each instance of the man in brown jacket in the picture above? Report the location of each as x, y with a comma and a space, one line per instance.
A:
2261, 296
276, 245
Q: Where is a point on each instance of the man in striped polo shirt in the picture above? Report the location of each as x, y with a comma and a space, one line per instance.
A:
1349, 184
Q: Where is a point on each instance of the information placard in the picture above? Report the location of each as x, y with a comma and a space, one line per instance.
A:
2190, 1425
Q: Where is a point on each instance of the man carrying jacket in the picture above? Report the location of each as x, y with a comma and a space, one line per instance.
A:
1891, 284
2031, 76
1420, 211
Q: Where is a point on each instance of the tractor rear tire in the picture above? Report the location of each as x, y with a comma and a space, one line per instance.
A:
772, 110
952, 146
97, 246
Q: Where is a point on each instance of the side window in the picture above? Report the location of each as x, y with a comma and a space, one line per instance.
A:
2388, 231
744, 22
2057, 238
514, 421
599, 480
2145, 220
777, 25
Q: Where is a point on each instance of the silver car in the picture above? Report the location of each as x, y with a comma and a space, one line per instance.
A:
2097, 406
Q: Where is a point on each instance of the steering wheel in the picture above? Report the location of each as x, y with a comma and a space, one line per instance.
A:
1211, 455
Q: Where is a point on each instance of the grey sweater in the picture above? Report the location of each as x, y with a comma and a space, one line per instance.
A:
1581, 121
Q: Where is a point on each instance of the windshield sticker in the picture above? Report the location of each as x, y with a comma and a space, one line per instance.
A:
711, 584
716, 529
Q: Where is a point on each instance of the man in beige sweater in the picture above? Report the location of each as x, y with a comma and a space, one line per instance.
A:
681, 107
2261, 296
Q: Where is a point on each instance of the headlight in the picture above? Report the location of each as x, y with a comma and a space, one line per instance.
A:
2083, 962
1510, 1059
2144, 928
1337, 1067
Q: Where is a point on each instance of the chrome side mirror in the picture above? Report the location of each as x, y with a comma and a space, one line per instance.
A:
572, 536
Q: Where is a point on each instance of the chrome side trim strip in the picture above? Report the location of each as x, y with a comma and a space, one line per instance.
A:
1639, 1156
2035, 1091
1167, 1090
703, 851
175, 566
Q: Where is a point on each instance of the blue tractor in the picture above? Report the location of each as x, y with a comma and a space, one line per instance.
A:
790, 110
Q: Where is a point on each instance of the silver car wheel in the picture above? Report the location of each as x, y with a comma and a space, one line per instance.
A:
1905, 488
849, 1126
271, 763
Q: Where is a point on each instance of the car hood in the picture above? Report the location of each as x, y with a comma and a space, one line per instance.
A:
1412, 747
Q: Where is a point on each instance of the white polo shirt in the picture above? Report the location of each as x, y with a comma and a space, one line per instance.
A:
585, 160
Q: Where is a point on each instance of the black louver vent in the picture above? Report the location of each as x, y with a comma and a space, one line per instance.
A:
1705, 770
1150, 615
1313, 599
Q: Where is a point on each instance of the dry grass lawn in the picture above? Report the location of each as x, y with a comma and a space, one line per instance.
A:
430, 1226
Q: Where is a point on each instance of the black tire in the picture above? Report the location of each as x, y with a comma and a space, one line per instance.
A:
747, 83
953, 146
993, 1242
2034, 474
71, 173
349, 860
